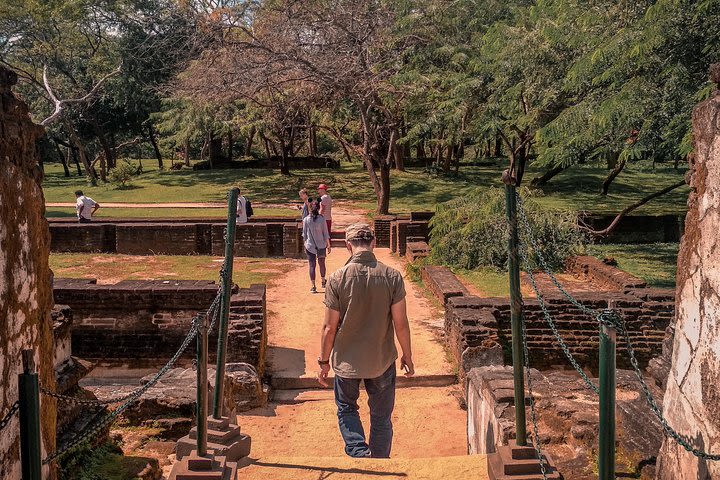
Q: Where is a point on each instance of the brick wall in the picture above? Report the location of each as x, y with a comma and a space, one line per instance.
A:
255, 239
402, 229
469, 320
292, 240
382, 230
156, 239
149, 319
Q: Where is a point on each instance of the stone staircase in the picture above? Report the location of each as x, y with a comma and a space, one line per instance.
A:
345, 468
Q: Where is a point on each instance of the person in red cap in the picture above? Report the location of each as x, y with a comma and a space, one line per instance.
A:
325, 205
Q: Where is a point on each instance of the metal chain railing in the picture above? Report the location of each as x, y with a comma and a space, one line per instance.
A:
533, 413
129, 399
212, 312
608, 317
9, 415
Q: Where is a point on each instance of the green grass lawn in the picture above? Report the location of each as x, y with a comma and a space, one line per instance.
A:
490, 282
111, 268
413, 190
219, 213
656, 263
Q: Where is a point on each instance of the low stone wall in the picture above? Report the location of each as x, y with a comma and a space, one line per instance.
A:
472, 322
401, 230
567, 420
149, 319
639, 228
602, 274
255, 239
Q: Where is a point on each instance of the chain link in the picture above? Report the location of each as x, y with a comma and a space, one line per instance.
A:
8, 417
533, 413
605, 317
129, 399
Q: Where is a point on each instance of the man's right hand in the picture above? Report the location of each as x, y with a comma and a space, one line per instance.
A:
407, 365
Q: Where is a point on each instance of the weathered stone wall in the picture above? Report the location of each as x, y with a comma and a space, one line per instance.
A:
255, 239
692, 398
25, 292
568, 419
149, 319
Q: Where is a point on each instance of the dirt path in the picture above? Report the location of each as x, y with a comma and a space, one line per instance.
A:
296, 315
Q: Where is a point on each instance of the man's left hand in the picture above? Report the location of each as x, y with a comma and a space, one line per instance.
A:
323, 375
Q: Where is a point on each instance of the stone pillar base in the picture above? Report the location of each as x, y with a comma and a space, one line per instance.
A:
223, 439
208, 467
513, 462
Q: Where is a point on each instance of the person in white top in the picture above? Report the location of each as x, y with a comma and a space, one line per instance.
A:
325, 205
241, 210
85, 206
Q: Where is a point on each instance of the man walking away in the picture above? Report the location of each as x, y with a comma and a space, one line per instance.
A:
365, 305
242, 211
325, 205
85, 206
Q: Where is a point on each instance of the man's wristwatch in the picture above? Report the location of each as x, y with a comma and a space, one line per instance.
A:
322, 362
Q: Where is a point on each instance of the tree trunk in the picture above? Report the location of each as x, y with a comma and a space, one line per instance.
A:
383, 195
103, 167
497, 151
285, 151
186, 152
249, 142
64, 163
230, 146
153, 141
312, 141
614, 173
215, 150
547, 176
107, 149
420, 150
89, 171
73, 152
400, 157
448, 158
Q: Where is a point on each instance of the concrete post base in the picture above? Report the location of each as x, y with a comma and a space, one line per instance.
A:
208, 467
223, 439
520, 463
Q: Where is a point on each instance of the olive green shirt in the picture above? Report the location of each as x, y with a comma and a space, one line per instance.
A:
363, 292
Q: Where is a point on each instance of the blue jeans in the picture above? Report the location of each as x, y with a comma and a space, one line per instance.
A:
381, 393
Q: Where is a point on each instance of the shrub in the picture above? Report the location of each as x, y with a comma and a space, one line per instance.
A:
122, 173
472, 232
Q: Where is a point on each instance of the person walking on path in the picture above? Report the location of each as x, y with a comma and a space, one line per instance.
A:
364, 306
317, 242
85, 206
306, 202
325, 205
241, 214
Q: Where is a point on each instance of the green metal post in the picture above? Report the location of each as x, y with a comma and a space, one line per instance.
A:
30, 442
606, 434
225, 304
202, 386
516, 316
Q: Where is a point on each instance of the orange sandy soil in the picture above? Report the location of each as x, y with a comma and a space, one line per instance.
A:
295, 318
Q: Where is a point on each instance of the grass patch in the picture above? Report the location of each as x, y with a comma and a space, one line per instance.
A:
656, 263
119, 212
413, 190
489, 281
105, 462
111, 268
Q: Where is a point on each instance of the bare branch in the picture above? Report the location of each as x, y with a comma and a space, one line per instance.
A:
60, 104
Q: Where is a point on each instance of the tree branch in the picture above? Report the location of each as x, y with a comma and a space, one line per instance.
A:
60, 104
606, 231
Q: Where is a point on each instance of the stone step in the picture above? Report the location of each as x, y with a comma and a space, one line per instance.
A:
345, 468
519, 463
311, 383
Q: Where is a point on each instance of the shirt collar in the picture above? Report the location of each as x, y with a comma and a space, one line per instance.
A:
364, 257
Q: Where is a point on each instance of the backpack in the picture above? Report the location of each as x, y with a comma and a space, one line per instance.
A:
248, 208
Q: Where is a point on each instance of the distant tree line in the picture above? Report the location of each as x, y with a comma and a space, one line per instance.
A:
555, 83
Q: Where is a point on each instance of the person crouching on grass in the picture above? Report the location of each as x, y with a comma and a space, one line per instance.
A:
369, 297
317, 242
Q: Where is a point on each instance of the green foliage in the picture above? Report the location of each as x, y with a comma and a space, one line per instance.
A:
472, 232
121, 175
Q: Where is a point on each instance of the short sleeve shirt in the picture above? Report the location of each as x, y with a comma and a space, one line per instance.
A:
326, 202
241, 210
87, 203
363, 292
